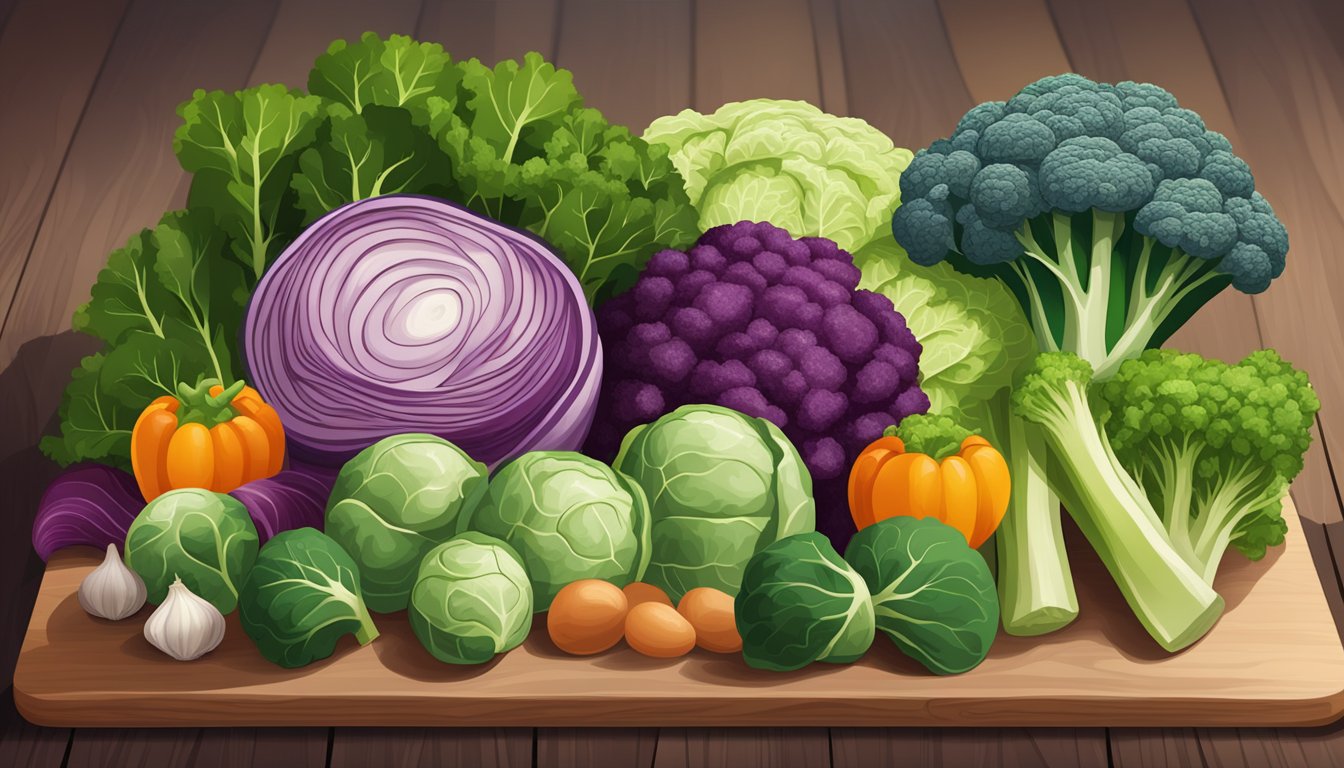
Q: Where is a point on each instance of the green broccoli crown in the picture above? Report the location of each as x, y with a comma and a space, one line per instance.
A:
937, 435
1066, 144
1052, 384
1237, 434
1259, 410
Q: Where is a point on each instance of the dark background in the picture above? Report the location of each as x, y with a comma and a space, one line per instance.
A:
87, 98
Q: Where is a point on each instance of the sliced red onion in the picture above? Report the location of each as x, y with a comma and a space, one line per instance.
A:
88, 504
293, 498
409, 314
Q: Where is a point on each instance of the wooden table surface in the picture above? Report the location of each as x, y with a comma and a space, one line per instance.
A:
87, 98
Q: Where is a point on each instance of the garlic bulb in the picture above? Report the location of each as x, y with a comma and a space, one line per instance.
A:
184, 625
112, 591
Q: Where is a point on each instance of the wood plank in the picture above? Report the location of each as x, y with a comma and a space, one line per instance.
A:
201, 747
987, 747
34, 139
490, 29
1274, 658
501, 747
729, 748
1138, 747
1001, 47
753, 49
121, 173
583, 747
1278, 70
830, 56
900, 73
23, 477
630, 60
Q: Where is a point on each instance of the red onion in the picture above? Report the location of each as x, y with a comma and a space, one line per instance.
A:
409, 314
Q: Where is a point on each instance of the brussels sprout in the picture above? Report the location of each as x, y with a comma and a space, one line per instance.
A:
206, 539
471, 600
801, 602
301, 598
568, 517
932, 594
393, 502
721, 486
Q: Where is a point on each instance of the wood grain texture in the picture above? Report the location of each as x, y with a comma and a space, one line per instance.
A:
1002, 46
1274, 658
900, 73
830, 56
753, 49
200, 747
490, 30
582, 747
721, 748
430, 748
121, 174
985, 747
1279, 72
653, 76
35, 136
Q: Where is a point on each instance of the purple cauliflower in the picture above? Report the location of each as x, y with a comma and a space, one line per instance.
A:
754, 320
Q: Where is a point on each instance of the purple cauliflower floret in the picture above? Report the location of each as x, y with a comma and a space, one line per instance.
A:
769, 325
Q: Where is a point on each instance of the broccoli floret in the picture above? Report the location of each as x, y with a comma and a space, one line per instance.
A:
1214, 445
937, 435
1121, 184
1172, 600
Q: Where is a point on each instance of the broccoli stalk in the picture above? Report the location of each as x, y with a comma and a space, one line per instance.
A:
1214, 445
1174, 603
1036, 594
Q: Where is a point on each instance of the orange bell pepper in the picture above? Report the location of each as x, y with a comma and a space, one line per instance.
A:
968, 490
206, 437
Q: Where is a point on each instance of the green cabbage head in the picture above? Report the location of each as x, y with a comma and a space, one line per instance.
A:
721, 486
471, 600
396, 500
568, 517
788, 163
974, 334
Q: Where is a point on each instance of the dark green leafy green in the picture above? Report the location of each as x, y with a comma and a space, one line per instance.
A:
206, 539
385, 115
301, 597
932, 594
801, 602
166, 305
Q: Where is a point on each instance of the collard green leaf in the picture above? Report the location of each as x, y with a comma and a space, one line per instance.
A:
800, 603
376, 152
932, 594
301, 597
206, 539
243, 148
168, 305
396, 72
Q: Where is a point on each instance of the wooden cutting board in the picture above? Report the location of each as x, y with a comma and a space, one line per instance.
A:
1274, 659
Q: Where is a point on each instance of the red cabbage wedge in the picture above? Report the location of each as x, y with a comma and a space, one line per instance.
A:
409, 314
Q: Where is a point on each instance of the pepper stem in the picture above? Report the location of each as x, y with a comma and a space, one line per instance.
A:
200, 407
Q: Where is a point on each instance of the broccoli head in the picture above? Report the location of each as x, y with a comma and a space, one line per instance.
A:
1073, 185
1214, 445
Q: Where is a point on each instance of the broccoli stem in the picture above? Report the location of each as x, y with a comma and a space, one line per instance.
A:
1036, 594
1085, 328
1240, 495
1173, 601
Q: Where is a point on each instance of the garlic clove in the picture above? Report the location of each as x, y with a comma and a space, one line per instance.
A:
184, 626
112, 591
